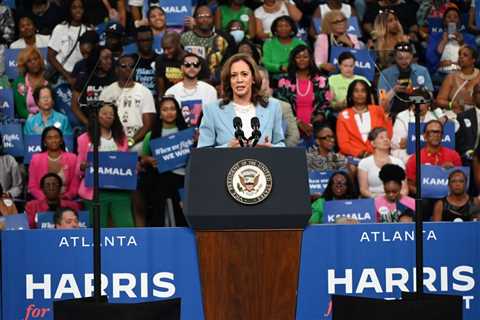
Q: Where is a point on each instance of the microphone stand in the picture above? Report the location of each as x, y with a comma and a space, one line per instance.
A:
418, 207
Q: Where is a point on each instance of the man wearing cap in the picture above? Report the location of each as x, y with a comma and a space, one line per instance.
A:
399, 79
114, 34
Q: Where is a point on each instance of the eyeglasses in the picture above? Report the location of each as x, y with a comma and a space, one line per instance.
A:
191, 64
339, 21
329, 137
125, 66
205, 16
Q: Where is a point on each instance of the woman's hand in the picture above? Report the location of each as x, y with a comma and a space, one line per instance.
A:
148, 161
305, 128
266, 144
234, 143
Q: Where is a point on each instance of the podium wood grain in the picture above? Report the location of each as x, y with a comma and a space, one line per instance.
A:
249, 274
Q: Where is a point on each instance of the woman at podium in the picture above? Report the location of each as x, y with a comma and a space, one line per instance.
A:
228, 122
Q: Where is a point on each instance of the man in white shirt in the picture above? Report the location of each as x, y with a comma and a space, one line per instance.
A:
191, 93
136, 107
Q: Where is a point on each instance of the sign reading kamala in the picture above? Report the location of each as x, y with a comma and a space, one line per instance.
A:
11, 61
448, 139
362, 210
173, 150
40, 266
378, 261
117, 170
33, 145
176, 11
7, 107
364, 64
318, 181
12, 136
435, 180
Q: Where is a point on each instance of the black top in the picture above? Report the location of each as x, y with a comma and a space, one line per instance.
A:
451, 212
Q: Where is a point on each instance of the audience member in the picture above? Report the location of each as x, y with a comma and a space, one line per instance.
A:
50, 187
235, 29
249, 48
114, 37
269, 11
330, 5
31, 76
392, 204
168, 65
53, 159
157, 20
46, 117
145, 60
467, 136
116, 204
88, 43
66, 218
7, 206
368, 168
7, 32
10, 174
321, 156
47, 14
355, 123
28, 36
235, 10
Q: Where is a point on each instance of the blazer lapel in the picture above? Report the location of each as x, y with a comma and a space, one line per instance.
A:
262, 115
226, 117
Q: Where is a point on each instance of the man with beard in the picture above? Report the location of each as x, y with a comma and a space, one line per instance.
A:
145, 70
191, 93
168, 65
396, 81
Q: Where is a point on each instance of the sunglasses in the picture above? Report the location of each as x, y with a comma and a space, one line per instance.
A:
191, 64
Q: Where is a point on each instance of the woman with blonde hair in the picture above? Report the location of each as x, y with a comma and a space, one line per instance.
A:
334, 34
31, 70
387, 32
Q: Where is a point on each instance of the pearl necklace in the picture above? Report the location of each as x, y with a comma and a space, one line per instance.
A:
54, 159
303, 94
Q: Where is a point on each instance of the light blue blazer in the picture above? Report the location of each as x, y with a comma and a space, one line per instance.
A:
216, 128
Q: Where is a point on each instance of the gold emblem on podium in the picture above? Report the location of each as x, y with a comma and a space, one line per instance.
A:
249, 181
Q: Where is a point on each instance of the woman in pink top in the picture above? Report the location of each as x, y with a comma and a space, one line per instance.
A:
53, 159
305, 89
393, 207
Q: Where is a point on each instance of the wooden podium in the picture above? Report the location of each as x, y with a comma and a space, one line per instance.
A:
249, 255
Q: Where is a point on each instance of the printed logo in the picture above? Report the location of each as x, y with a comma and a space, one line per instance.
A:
249, 181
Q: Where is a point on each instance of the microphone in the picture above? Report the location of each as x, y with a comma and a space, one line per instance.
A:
256, 134
239, 135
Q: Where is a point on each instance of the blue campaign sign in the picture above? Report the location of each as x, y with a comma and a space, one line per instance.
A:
33, 145
448, 139
9, 3
318, 181
41, 266
435, 180
364, 61
362, 210
157, 46
435, 24
117, 170
378, 261
176, 11
191, 110
7, 108
15, 222
44, 220
354, 26
173, 150
12, 136
11, 61
63, 103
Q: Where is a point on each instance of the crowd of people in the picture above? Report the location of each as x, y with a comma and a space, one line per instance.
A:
291, 63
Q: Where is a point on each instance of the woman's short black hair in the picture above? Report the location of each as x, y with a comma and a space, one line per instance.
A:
44, 135
289, 20
392, 172
345, 56
454, 172
51, 175
373, 134
292, 65
352, 86
349, 192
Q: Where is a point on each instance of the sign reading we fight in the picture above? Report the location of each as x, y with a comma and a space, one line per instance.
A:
362, 210
12, 136
172, 151
435, 180
117, 170
448, 139
318, 181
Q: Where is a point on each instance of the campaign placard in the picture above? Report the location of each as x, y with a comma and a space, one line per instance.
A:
362, 210
448, 138
7, 107
354, 27
173, 150
33, 144
12, 136
138, 265
191, 110
11, 56
435, 180
378, 261
117, 170
318, 181
176, 11
44, 220
364, 60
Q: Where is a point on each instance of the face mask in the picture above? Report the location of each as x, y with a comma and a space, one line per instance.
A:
238, 35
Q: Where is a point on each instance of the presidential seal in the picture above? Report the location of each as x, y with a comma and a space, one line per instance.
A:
249, 181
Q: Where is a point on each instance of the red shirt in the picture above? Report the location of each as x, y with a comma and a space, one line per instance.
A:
439, 158
35, 206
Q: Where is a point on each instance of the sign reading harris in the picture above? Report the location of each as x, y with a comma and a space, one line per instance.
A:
362, 210
11, 56
448, 139
173, 150
7, 107
378, 261
318, 181
435, 180
33, 144
12, 136
117, 170
41, 266
364, 61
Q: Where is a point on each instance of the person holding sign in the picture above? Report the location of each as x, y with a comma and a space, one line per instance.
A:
116, 203
339, 187
458, 205
393, 206
163, 186
243, 98
369, 167
355, 123
53, 159
269, 11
